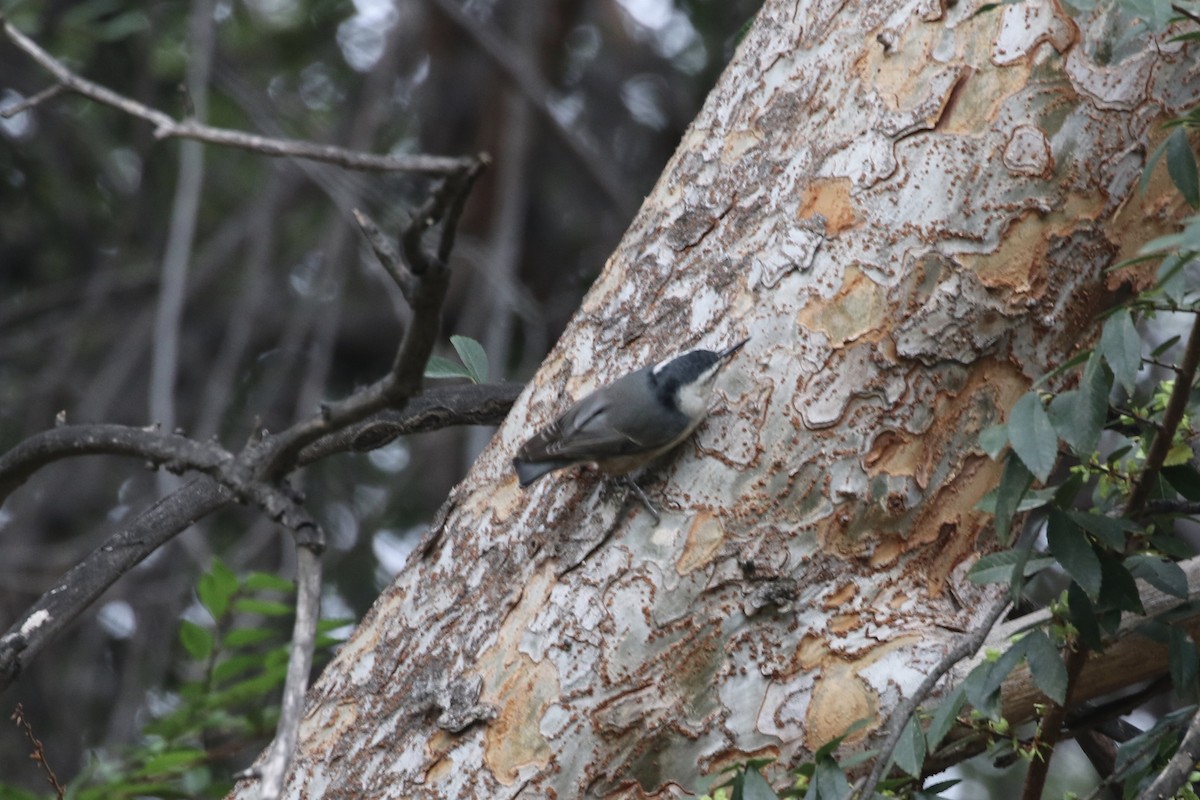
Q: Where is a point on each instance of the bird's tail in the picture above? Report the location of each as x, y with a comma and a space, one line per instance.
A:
530, 471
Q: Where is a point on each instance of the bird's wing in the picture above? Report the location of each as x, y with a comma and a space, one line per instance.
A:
586, 433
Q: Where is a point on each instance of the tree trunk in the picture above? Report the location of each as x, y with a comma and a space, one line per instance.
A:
908, 208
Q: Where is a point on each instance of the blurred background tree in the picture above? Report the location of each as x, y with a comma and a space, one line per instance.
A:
580, 103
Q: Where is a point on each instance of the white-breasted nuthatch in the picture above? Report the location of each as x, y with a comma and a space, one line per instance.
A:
628, 423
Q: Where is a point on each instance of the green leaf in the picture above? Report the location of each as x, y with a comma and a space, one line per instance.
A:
198, 641
265, 581
993, 439
755, 787
983, 689
1172, 545
234, 666
998, 567
944, 717
828, 781
909, 754
438, 367
1032, 436
215, 589
1083, 617
1014, 482
473, 357
1181, 165
1166, 576
268, 608
1182, 659
1109, 531
243, 637
1079, 417
1185, 480
1046, 666
1122, 348
172, 761
1119, 588
1071, 547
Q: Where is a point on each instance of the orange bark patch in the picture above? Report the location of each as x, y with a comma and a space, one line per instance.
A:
859, 307
704, 538
514, 739
831, 199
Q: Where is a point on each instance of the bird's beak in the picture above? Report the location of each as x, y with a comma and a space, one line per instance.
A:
728, 352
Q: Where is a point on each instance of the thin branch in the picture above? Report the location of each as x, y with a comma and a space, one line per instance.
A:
1175, 775
966, 647
304, 639
1156, 456
29, 103
387, 254
165, 126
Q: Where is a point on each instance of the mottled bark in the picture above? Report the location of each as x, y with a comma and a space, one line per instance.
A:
909, 209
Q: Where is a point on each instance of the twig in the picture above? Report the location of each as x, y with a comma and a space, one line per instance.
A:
1175, 775
165, 126
388, 256
29, 103
967, 646
1183, 12
304, 638
39, 753
1160, 447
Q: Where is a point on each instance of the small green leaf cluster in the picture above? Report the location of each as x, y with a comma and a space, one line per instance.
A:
474, 366
224, 711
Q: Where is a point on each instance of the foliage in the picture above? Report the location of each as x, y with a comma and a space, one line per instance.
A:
474, 365
226, 706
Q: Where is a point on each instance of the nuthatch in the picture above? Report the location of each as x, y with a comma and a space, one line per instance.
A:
630, 422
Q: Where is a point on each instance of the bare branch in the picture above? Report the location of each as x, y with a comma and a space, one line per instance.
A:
87, 580
172, 451
165, 126
58, 608
387, 254
304, 639
968, 646
10, 111
471, 404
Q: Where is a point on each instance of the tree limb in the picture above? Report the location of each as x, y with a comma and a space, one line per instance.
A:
66, 600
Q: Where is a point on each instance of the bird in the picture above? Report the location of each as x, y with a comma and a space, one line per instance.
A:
625, 425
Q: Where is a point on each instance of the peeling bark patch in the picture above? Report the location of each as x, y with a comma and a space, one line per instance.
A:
856, 310
1028, 153
1026, 26
514, 740
704, 539
831, 199
839, 698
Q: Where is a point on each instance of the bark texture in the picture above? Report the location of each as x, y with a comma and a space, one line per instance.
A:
909, 209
